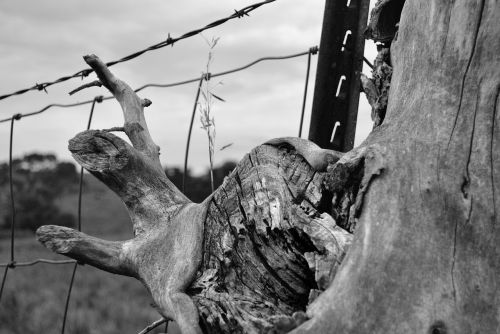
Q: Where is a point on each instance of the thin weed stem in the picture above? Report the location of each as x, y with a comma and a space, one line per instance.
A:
206, 105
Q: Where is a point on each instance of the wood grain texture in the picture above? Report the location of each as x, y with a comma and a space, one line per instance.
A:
425, 256
400, 234
248, 259
266, 246
149, 196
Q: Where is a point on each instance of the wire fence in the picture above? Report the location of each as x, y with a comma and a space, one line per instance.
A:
12, 264
169, 41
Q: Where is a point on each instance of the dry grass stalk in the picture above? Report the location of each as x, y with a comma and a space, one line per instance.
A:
206, 118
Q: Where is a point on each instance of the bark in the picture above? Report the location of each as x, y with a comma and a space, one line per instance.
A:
398, 235
248, 259
425, 257
377, 87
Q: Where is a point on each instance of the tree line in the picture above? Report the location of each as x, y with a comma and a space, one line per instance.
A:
38, 179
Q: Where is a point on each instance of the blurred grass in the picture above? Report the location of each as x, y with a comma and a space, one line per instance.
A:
34, 297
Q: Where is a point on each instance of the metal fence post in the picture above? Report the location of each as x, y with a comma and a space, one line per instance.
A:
340, 61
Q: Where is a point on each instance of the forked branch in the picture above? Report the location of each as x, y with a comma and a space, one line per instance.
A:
133, 109
263, 235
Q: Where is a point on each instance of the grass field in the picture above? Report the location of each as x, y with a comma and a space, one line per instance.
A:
34, 297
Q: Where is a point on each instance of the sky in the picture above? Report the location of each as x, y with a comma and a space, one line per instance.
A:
44, 40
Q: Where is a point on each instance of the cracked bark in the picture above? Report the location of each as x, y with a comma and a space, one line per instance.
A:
386, 238
424, 258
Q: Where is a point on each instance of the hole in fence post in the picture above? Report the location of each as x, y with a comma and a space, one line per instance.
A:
337, 124
346, 36
339, 86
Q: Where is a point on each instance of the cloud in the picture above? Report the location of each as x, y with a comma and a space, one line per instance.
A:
44, 40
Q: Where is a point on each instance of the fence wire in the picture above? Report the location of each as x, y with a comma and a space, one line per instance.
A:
12, 263
169, 41
155, 85
312, 51
80, 193
98, 99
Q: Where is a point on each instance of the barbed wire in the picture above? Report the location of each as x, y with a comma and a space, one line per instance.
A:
169, 41
98, 99
155, 85
83, 73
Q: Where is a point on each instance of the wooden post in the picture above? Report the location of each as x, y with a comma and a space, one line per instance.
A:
340, 61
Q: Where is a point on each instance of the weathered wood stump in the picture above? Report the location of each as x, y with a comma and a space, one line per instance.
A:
400, 234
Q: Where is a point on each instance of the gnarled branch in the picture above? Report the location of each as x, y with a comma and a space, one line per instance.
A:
106, 255
133, 110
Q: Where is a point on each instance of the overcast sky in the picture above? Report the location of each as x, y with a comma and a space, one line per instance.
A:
43, 40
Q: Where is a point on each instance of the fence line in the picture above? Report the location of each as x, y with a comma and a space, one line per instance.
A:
11, 263
153, 85
79, 219
32, 263
169, 41
205, 76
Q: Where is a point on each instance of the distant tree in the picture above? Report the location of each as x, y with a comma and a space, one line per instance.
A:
198, 187
38, 179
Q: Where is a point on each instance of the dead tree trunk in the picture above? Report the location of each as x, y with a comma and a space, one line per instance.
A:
265, 252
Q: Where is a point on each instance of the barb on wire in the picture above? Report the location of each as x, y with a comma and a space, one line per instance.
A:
100, 99
312, 51
153, 326
179, 83
169, 41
